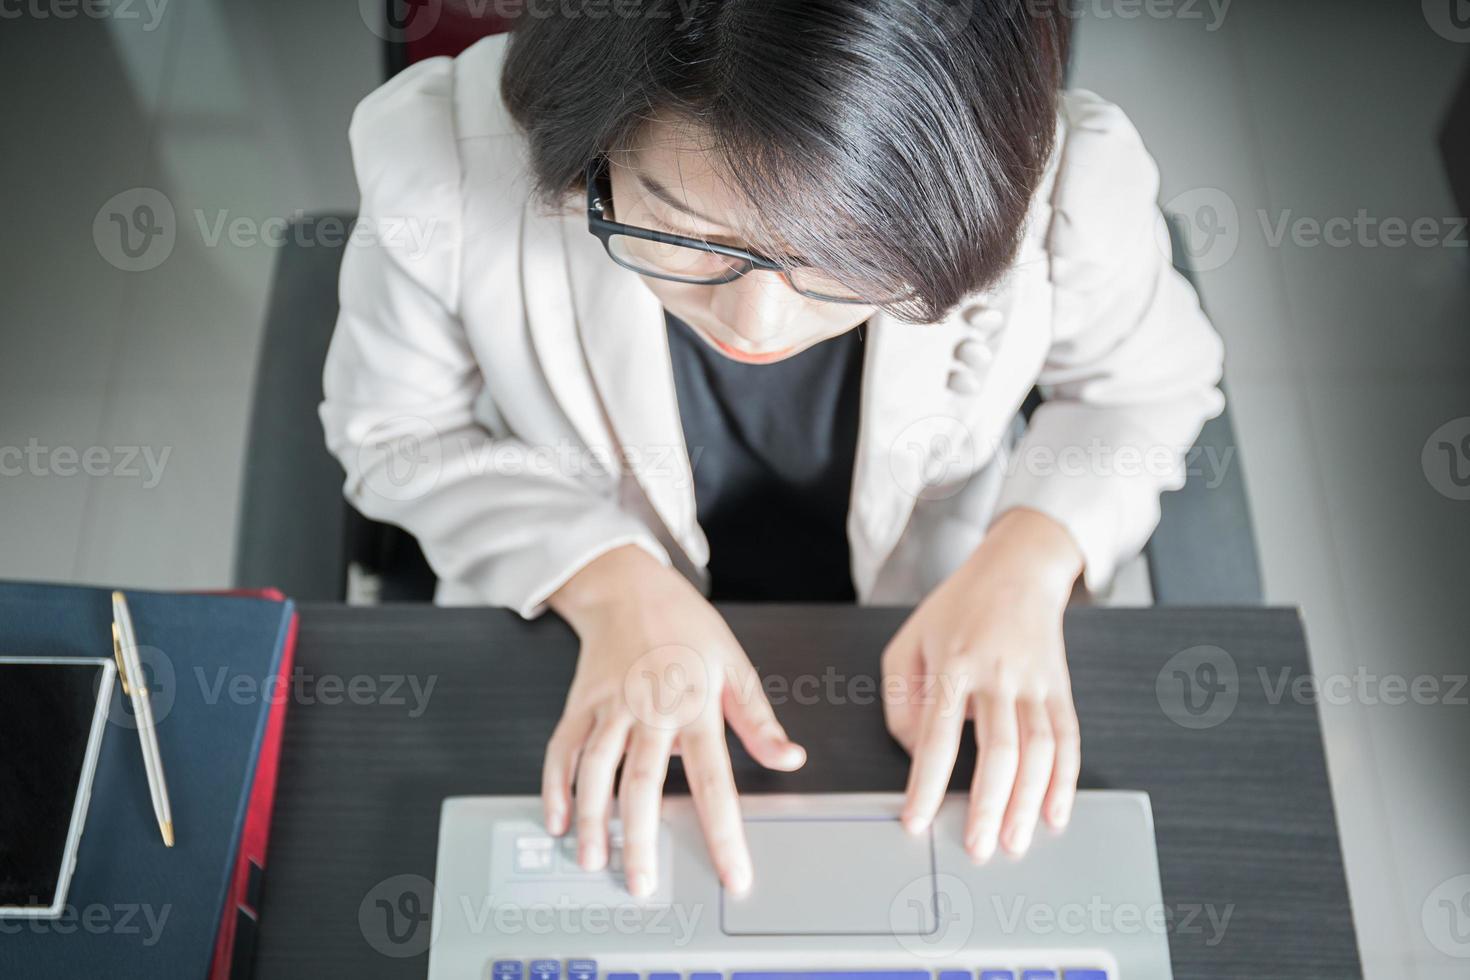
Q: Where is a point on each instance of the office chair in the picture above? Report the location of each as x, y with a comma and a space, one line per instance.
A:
298, 533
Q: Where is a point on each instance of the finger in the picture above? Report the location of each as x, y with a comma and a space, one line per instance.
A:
901, 712
995, 772
750, 715
1033, 774
712, 784
639, 796
934, 754
1062, 793
595, 771
556, 772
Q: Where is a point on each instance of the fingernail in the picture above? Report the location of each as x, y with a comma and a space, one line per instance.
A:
592, 858
556, 822
737, 880
981, 847
641, 884
1017, 840
1059, 817
794, 755
915, 824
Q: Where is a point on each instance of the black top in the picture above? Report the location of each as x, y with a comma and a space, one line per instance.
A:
773, 447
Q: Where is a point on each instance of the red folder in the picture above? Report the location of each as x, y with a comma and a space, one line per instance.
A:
234, 946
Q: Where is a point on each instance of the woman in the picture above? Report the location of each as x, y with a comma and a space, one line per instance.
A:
834, 244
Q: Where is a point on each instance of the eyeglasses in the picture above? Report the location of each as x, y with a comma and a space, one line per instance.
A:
678, 258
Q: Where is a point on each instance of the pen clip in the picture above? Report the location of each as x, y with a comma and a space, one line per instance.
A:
122, 666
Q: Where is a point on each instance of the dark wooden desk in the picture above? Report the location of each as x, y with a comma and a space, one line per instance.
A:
1244, 815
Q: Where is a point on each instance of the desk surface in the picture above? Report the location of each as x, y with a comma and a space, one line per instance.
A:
1243, 810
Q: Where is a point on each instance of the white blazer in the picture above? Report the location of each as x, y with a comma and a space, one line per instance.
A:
500, 388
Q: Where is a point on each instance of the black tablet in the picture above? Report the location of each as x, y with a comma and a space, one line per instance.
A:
53, 712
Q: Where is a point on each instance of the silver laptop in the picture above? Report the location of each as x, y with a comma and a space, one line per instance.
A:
841, 892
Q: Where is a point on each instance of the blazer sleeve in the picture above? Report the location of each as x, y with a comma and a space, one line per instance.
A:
1134, 366
401, 380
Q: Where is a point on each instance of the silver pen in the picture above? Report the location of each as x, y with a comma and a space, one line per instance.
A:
135, 685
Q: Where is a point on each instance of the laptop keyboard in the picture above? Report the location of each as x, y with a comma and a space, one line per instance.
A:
587, 970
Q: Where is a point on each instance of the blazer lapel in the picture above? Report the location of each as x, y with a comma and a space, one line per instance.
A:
621, 334
907, 433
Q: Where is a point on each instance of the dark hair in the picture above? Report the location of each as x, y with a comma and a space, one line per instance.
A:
894, 143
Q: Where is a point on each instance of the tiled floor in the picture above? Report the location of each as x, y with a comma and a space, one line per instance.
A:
1343, 360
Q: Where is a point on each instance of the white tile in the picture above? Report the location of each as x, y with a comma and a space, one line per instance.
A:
45, 426
173, 526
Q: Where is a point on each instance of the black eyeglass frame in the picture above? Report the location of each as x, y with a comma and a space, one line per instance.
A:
599, 197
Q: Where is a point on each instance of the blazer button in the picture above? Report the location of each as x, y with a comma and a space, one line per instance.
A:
985, 322
974, 354
963, 382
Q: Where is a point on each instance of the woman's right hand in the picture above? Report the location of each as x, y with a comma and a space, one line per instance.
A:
659, 672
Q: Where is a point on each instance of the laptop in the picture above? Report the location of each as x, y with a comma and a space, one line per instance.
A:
841, 892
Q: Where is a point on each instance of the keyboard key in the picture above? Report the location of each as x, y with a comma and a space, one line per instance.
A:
663, 976
581, 970
1084, 975
706, 976
1038, 975
997, 975
838, 975
507, 970
622, 976
545, 970
534, 854
954, 975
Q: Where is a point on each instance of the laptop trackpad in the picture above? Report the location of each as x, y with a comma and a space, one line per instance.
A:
830, 877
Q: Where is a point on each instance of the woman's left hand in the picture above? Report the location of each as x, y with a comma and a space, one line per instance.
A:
987, 644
